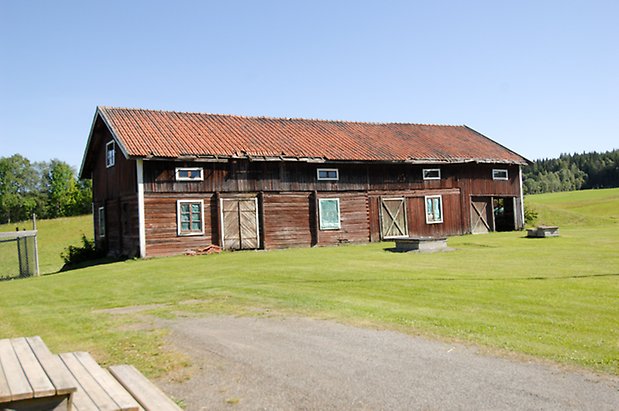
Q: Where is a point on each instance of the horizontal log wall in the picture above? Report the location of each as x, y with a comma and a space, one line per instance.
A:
354, 220
161, 224
287, 219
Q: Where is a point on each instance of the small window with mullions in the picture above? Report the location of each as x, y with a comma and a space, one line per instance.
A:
190, 217
328, 174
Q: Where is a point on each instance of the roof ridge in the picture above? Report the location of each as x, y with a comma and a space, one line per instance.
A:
378, 123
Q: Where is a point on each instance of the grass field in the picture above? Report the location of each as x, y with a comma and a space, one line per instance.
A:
554, 298
53, 237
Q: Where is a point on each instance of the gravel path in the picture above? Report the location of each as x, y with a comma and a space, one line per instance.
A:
298, 363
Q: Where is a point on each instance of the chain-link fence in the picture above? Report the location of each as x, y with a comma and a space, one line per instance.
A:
18, 254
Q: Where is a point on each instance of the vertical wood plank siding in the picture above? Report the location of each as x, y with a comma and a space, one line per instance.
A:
115, 189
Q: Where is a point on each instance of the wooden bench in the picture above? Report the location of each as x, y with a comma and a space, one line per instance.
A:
145, 392
32, 378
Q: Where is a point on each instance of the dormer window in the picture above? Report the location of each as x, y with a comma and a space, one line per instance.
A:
431, 173
189, 174
328, 174
499, 174
110, 154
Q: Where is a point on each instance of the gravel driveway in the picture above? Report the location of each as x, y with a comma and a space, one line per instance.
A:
297, 363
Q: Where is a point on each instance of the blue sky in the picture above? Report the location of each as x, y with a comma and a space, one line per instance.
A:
541, 77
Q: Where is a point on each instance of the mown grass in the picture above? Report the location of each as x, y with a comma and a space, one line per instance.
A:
553, 298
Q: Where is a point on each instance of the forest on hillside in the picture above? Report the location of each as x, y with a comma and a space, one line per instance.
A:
572, 172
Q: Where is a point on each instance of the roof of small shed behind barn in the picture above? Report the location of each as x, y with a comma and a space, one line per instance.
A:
168, 134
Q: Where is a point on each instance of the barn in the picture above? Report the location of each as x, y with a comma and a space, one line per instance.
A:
166, 182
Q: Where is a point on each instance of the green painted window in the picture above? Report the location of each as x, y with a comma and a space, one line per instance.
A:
434, 209
190, 217
329, 210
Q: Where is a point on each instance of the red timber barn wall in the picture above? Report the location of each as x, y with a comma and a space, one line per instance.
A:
114, 189
287, 195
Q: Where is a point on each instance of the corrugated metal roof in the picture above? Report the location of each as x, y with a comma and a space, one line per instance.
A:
169, 134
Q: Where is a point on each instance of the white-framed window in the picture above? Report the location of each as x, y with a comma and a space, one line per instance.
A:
189, 174
190, 217
499, 174
431, 173
101, 219
110, 154
329, 212
329, 174
434, 209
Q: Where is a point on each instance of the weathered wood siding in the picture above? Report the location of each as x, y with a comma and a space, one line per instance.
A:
287, 196
160, 222
452, 218
245, 176
115, 189
287, 220
354, 220
476, 181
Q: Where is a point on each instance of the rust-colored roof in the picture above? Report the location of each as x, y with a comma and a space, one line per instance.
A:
168, 134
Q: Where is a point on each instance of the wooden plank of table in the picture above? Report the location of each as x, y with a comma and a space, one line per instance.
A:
55, 369
37, 378
38, 346
148, 395
113, 388
18, 383
5, 391
88, 384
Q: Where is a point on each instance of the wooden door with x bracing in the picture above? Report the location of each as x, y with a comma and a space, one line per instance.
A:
393, 222
481, 215
240, 223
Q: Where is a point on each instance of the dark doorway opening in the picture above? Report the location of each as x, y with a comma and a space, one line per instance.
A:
504, 217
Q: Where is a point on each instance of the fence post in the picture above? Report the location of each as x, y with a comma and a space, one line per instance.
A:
36, 245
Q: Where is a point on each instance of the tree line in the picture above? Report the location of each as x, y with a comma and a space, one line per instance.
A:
50, 189
572, 172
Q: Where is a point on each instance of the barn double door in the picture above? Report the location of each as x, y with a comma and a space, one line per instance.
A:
240, 229
393, 222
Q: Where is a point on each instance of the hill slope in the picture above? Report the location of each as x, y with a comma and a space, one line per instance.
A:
591, 208
53, 237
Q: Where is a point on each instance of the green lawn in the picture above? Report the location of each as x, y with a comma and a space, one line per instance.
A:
53, 237
555, 298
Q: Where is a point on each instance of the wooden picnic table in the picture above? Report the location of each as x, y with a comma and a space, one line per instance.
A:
34, 379
31, 377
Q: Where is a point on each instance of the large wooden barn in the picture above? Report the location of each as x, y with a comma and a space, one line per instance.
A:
166, 182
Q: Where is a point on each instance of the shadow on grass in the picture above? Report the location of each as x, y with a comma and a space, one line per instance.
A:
89, 263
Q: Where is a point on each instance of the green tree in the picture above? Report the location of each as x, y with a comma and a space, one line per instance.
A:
61, 189
19, 189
